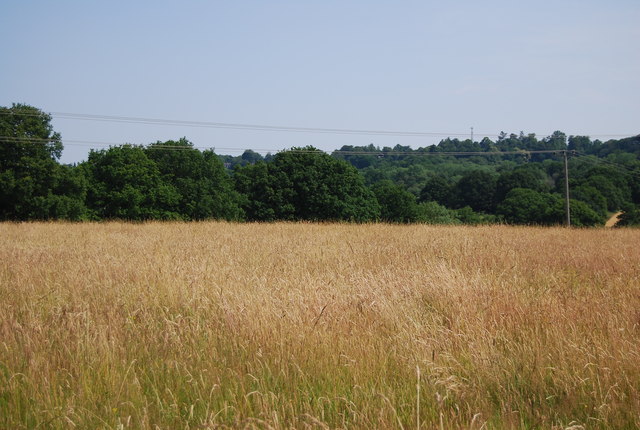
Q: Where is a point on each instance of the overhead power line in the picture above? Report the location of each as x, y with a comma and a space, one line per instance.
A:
629, 170
234, 126
263, 127
242, 126
160, 146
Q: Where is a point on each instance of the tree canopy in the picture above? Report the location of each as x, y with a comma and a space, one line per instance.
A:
204, 187
305, 184
33, 185
456, 181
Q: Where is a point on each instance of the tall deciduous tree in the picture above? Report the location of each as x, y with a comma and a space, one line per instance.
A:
305, 184
33, 185
396, 204
527, 206
519, 178
477, 190
436, 189
205, 188
267, 193
126, 184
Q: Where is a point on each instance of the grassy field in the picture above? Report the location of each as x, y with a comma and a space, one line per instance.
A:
216, 325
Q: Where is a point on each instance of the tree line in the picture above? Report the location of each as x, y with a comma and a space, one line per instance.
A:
172, 180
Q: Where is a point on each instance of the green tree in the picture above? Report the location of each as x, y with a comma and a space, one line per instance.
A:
592, 197
357, 155
251, 157
33, 185
519, 178
466, 215
580, 143
527, 206
68, 195
583, 216
124, 183
476, 189
324, 188
629, 217
557, 140
411, 178
616, 196
266, 192
396, 204
305, 184
205, 188
430, 212
634, 184
436, 189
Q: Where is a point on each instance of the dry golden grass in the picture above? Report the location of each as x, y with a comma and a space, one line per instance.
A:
216, 325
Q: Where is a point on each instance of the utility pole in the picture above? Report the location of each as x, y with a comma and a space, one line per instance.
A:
567, 205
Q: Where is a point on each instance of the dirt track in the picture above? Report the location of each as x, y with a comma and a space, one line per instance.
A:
611, 222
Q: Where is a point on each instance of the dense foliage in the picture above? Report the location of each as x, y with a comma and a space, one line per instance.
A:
456, 181
305, 184
33, 185
519, 187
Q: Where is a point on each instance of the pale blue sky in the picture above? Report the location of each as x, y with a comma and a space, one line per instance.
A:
429, 66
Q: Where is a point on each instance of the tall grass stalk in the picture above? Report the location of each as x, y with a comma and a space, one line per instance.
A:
217, 325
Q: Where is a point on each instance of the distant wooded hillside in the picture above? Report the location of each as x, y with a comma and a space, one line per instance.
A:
517, 179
